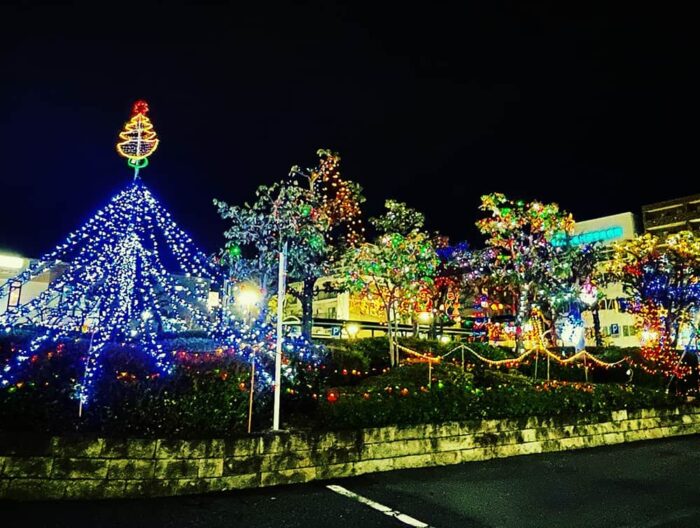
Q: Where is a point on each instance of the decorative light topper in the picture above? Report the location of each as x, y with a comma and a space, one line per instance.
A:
138, 139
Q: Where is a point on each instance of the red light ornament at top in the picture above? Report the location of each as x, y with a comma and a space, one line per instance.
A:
138, 139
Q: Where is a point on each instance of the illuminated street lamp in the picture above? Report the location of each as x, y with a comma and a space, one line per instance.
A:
248, 298
352, 329
425, 317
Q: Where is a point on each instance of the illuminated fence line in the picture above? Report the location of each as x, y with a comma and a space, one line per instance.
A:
579, 356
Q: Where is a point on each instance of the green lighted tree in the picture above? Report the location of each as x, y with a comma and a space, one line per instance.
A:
398, 218
519, 254
282, 212
315, 212
394, 269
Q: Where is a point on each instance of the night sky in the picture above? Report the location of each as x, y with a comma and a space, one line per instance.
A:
429, 105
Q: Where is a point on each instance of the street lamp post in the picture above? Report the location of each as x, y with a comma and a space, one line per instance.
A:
281, 293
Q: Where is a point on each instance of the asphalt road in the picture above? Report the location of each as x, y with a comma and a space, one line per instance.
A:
646, 484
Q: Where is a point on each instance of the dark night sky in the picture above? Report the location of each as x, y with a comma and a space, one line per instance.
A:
431, 105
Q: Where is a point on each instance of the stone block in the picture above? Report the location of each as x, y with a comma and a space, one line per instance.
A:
487, 439
478, 453
333, 471
242, 465
189, 448
94, 489
378, 434
643, 413
613, 438
446, 429
79, 468
455, 443
130, 469
396, 448
282, 461
337, 455
576, 442
618, 416
76, 447
374, 466
447, 458
211, 467
233, 482
415, 432
115, 448
489, 426
151, 488
141, 448
176, 469
413, 461
24, 444
239, 447
169, 487
34, 489
529, 435
347, 439
38, 467
283, 442
194, 486
287, 476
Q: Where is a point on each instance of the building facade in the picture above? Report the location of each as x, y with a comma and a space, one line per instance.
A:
617, 326
671, 216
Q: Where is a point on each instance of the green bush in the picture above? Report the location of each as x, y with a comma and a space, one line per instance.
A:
201, 397
455, 402
207, 394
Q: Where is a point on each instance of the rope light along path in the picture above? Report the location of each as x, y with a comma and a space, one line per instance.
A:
540, 348
583, 354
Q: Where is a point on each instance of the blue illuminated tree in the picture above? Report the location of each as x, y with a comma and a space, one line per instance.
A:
127, 276
115, 286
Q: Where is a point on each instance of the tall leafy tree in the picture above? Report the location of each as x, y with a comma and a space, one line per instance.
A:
519, 254
284, 212
314, 212
662, 279
338, 202
395, 268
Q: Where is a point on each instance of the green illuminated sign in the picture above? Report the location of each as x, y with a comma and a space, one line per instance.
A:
589, 237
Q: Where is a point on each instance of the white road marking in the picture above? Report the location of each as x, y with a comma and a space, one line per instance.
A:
379, 507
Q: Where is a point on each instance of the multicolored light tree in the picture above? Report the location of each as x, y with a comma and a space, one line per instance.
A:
315, 212
519, 253
395, 269
284, 212
339, 206
662, 279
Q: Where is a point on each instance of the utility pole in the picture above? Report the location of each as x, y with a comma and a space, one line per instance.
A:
281, 293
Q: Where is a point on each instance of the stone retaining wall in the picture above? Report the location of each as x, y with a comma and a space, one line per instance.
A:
79, 468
